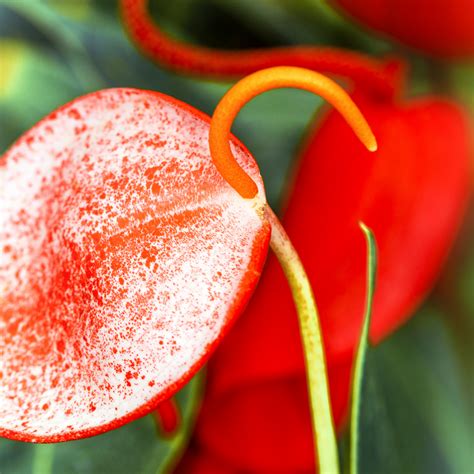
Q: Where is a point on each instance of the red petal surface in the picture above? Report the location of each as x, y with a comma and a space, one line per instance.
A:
412, 193
266, 425
439, 27
123, 258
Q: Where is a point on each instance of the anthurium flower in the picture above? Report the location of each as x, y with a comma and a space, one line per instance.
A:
413, 193
124, 258
438, 27
113, 293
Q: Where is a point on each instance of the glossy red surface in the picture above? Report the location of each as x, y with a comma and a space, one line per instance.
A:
438, 27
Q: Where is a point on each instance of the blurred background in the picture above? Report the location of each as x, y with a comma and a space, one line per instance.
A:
418, 414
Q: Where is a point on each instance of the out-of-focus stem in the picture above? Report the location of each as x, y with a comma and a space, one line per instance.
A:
365, 72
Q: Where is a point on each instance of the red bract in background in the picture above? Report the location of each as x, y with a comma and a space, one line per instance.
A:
256, 389
438, 27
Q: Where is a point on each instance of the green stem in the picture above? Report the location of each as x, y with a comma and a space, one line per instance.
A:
359, 364
323, 427
43, 459
179, 441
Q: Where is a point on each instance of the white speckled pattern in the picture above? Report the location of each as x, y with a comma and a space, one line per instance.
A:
121, 251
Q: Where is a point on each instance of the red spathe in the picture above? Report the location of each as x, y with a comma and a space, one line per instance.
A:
438, 27
412, 193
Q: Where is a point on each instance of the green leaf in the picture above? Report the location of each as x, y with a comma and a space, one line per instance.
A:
133, 448
36, 83
359, 363
56, 30
416, 413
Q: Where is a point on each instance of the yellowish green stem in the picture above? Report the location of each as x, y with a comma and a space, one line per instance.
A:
323, 427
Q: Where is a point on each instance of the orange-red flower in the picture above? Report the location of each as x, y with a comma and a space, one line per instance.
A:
412, 192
